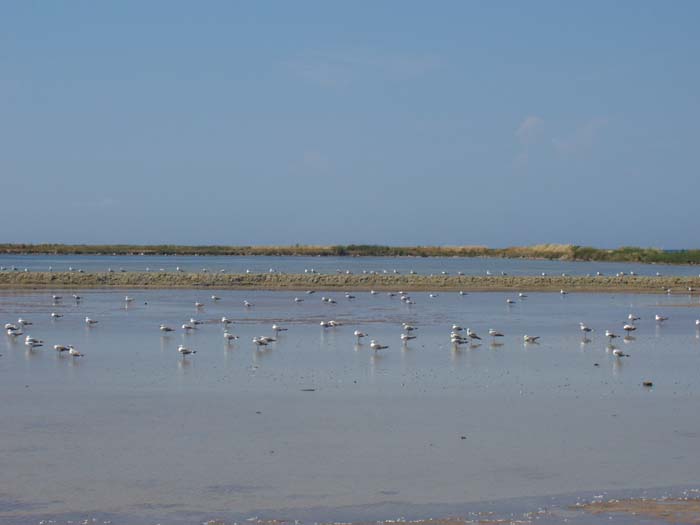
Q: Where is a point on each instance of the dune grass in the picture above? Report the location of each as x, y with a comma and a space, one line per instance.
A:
566, 252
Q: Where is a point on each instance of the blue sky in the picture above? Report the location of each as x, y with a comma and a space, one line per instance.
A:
442, 123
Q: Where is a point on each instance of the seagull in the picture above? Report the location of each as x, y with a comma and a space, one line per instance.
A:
632, 318
164, 328
298, 300
697, 323
349, 296
259, 341
359, 335
56, 298
89, 321
522, 295
215, 298
56, 315
23, 322
194, 321
374, 345
457, 328
15, 332
409, 328
472, 334
225, 320
326, 324
495, 333
510, 301
187, 327
229, 336
406, 337
61, 348
267, 339
247, 304
10, 326
335, 323
198, 304
128, 299
185, 351
77, 298
462, 292
585, 329
563, 292
372, 292
531, 338
432, 295
72, 351
610, 335
33, 343
660, 318
619, 353
628, 327
276, 328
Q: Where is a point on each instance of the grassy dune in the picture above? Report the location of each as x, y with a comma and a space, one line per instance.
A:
568, 252
265, 281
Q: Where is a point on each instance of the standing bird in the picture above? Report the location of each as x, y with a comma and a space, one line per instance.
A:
72, 351
89, 321
164, 328
629, 327
229, 336
61, 348
494, 333
531, 338
585, 329
277, 328
632, 318
610, 335
56, 315
185, 351
405, 337
359, 335
660, 318
471, 334
374, 345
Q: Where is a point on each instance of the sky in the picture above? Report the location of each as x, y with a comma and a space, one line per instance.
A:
381, 122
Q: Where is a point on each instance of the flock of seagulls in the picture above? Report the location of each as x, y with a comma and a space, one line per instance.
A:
458, 335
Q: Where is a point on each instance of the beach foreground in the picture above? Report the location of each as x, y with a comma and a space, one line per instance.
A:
360, 282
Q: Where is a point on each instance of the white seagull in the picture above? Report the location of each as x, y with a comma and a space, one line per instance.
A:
660, 318
359, 335
610, 335
185, 351
164, 328
89, 321
56, 315
72, 351
374, 345
406, 337
61, 348
277, 328
531, 338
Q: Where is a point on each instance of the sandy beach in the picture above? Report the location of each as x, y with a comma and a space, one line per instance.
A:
380, 282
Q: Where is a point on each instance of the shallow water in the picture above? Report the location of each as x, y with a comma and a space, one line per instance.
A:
328, 265
318, 427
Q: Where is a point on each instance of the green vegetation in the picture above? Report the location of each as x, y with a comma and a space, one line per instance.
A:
566, 252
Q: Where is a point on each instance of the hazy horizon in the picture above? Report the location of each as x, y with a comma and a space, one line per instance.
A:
395, 123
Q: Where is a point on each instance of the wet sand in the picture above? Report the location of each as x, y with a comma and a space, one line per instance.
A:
671, 510
382, 282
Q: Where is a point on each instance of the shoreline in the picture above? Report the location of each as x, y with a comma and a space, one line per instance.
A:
343, 282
